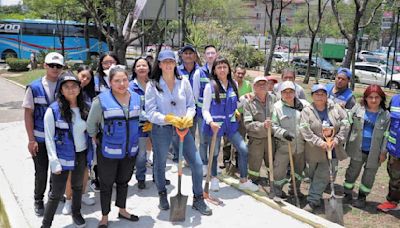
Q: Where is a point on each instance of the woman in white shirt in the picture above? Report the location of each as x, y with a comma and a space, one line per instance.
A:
67, 146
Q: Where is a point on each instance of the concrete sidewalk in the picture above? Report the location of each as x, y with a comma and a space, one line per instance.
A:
17, 181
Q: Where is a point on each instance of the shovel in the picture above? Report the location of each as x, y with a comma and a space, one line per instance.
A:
333, 205
293, 176
206, 193
178, 202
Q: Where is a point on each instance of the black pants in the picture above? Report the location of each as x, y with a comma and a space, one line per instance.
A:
58, 184
114, 170
41, 162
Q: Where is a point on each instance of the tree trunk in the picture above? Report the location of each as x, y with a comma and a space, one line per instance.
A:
351, 49
120, 49
271, 52
308, 72
86, 34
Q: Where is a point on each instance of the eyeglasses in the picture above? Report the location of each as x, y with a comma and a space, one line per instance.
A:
52, 65
173, 103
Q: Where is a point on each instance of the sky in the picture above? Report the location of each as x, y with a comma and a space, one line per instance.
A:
9, 2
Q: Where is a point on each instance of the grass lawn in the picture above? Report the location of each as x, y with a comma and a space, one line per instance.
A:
3, 216
26, 77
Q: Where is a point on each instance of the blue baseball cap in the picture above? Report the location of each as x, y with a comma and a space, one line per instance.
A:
317, 87
345, 71
166, 54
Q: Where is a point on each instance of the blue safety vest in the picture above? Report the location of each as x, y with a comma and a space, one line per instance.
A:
223, 113
341, 98
134, 86
393, 144
100, 85
64, 141
41, 102
204, 79
120, 133
188, 75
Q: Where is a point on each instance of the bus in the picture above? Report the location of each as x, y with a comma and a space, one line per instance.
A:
20, 38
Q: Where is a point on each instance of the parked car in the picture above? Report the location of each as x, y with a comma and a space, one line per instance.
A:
364, 54
372, 73
280, 57
374, 60
327, 69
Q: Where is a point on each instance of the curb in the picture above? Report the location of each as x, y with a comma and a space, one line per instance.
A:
15, 83
14, 212
288, 209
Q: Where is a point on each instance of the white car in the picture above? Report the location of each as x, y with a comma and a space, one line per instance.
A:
280, 57
370, 73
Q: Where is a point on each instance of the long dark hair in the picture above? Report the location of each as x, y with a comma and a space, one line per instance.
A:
157, 73
215, 81
134, 75
89, 88
100, 69
64, 105
371, 89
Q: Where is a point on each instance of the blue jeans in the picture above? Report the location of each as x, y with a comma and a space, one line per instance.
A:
141, 160
175, 141
162, 137
204, 141
239, 144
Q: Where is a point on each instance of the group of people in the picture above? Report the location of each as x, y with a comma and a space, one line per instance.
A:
106, 125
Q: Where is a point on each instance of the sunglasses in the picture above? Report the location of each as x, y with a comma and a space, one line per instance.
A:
52, 65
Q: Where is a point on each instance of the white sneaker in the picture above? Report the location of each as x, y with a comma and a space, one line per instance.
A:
67, 207
205, 170
248, 185
174, 167
87, 200
214, 184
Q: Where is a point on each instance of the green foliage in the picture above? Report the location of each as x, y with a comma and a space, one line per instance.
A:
279, 66
4, 222
28, 76
247, 56
17, 64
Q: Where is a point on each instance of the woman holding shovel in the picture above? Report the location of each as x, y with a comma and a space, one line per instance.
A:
367, 143
286, 128
219, 112
322, 112
169, 104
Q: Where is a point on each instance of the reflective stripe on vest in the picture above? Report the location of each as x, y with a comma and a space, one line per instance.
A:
67, 163
39, 134
40, 100
394, 129
41, 104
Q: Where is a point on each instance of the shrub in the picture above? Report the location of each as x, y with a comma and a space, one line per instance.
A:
247, 56
17, 64
279, 66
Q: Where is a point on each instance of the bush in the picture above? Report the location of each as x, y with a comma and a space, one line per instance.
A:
247, 56
18, 64
278, 67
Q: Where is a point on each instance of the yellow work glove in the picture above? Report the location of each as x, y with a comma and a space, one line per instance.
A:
147, 126
237, 114
173, 120
187, 122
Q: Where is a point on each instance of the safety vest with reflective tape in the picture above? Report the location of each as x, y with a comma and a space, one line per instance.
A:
41, 102
133, 85
99, 84
393, 142
188, 75
120, 133
223, 113
341, 98
64, 141
204, 79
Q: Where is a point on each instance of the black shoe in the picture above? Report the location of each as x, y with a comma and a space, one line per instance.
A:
348, 198
141, 184
164, 205
79, 221
201, 206
361, 201
132, 218
39, 207
310, 207
102, 226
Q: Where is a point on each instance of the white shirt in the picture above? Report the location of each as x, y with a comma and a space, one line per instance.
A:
49, 88
78, 132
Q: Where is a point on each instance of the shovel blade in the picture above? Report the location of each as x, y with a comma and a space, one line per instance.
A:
178, 208
334, 210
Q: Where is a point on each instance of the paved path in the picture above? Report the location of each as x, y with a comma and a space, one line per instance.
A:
17, 172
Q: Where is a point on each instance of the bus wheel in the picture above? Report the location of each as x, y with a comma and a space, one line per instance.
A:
8, 53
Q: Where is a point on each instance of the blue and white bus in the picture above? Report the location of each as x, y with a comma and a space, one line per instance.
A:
19, 38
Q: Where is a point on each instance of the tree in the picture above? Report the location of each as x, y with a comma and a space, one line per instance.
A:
313, 29
272, 6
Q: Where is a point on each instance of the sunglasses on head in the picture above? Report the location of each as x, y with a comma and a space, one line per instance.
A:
52, 65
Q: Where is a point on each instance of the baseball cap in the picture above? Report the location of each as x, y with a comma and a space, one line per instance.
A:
166, 54
287, 85
259, 78
317, 87
68, 76
345, 71
188, 47
54, 58
272, 78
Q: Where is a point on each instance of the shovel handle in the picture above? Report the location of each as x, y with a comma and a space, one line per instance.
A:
182, 133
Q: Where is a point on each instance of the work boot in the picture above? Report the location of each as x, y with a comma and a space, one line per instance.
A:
348, 198
39, 207
164, 205
79, 221
141, 184
201, 206
361, 200
309, 208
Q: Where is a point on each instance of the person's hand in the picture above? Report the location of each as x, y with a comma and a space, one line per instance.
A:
33, 148
57, 173
96, 140
324, 146
382, 157
237, 115
267, 123
147, 126
186, 122
214, 126
248, 96
288, 136
173, 120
